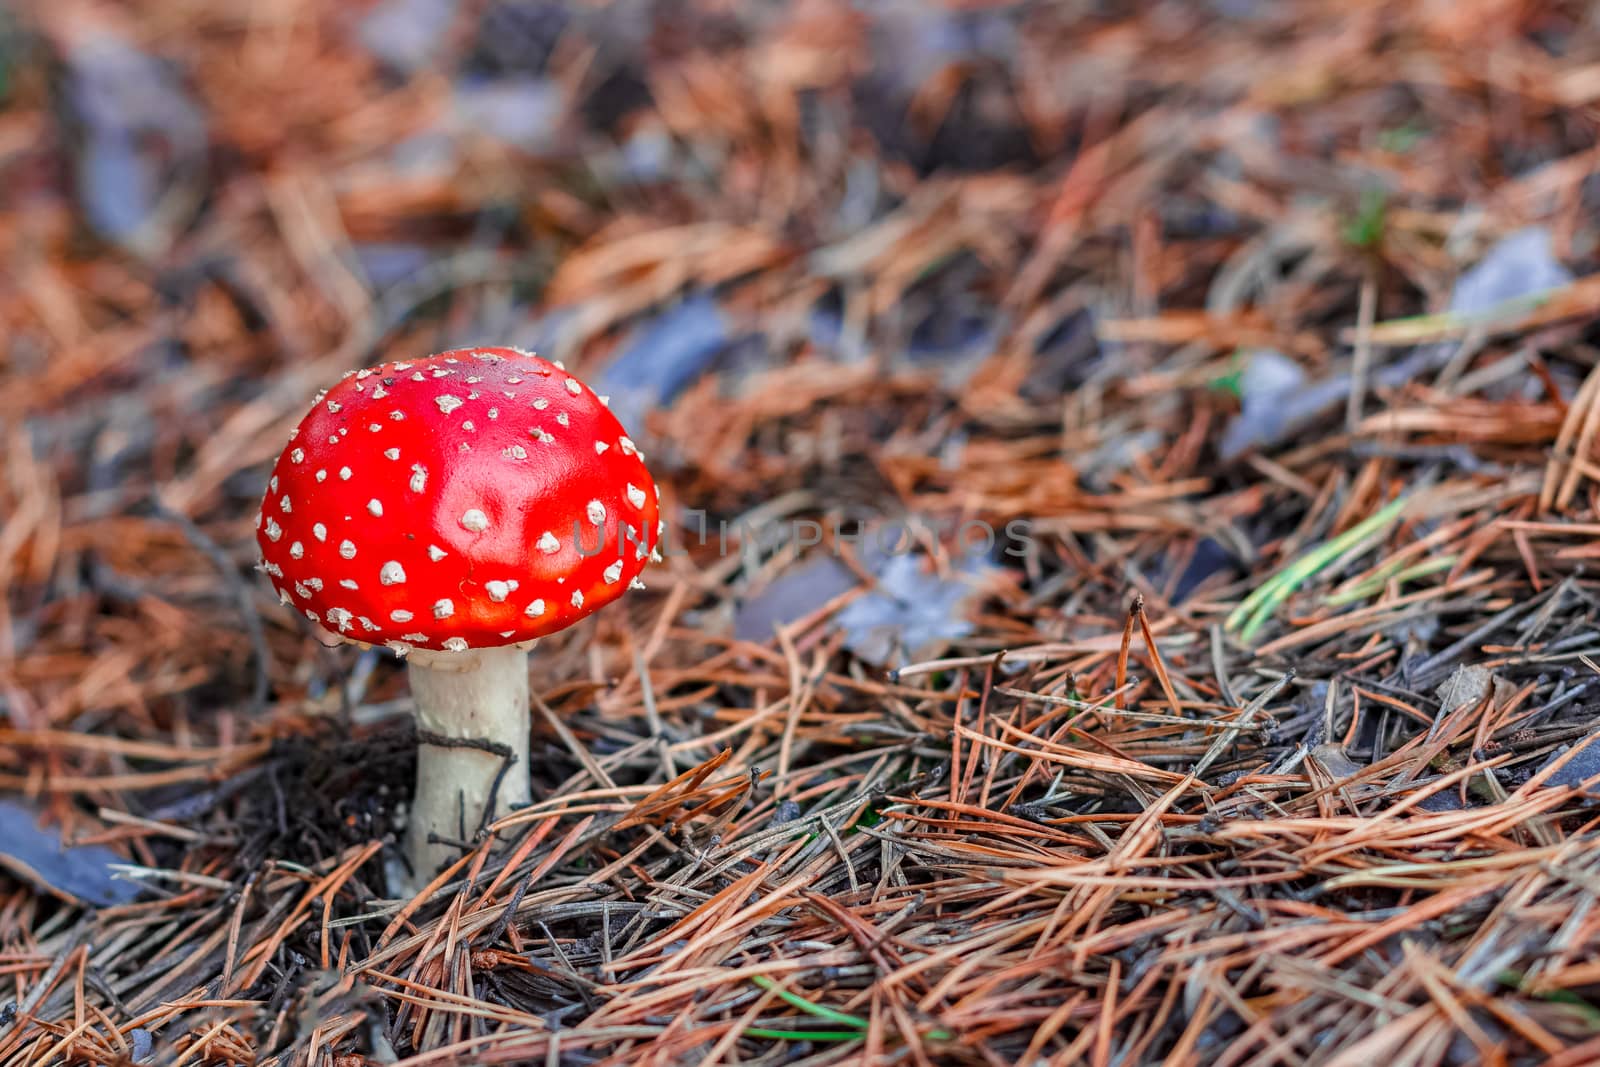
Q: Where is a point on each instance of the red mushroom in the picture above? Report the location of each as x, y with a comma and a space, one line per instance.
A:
456, 509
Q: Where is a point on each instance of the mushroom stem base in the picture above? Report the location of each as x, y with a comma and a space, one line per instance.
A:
468, 706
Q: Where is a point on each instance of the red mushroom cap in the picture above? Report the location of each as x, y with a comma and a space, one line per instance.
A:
477, 498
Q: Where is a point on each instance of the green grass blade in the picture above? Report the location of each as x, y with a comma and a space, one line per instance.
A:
1257, 608
821, 1011
1375, 584
805, 1035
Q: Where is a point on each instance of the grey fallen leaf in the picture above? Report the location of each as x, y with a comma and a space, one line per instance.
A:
801, 589
1268, 384
1275, 405
407, 34
1467, 684
1444, 800
665, 356
525, 112
1520, 264
646, 156
913, 608
384, 264
1332, 756
82, 874
1583, 765
140, 141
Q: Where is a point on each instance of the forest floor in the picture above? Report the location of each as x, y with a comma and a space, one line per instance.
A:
1130, 482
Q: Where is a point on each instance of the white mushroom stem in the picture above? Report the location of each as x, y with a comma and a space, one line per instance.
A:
472, 697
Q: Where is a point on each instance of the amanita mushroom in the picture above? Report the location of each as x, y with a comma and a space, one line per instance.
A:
456, 509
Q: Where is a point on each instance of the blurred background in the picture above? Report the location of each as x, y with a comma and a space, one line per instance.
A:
1200, 292
1104, 268
1086, 265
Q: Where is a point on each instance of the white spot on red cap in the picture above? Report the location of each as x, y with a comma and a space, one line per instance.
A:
400, 615
391, 453
391, 573
474, 520
443, 609
613, 572
535, 609
347, 549
447, 404
397, 415
635, 496
561, 417
540, 404
577, 599
375, 507
547, 543
636, 584
344, 474
347, 583
600, 448
419, 477
297, 456
596, 512
498, 591
573, 387
340, 617
297, 551
322, 476
436, 553
333, 406
514, 452
627, 446
456, 644
274, 531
